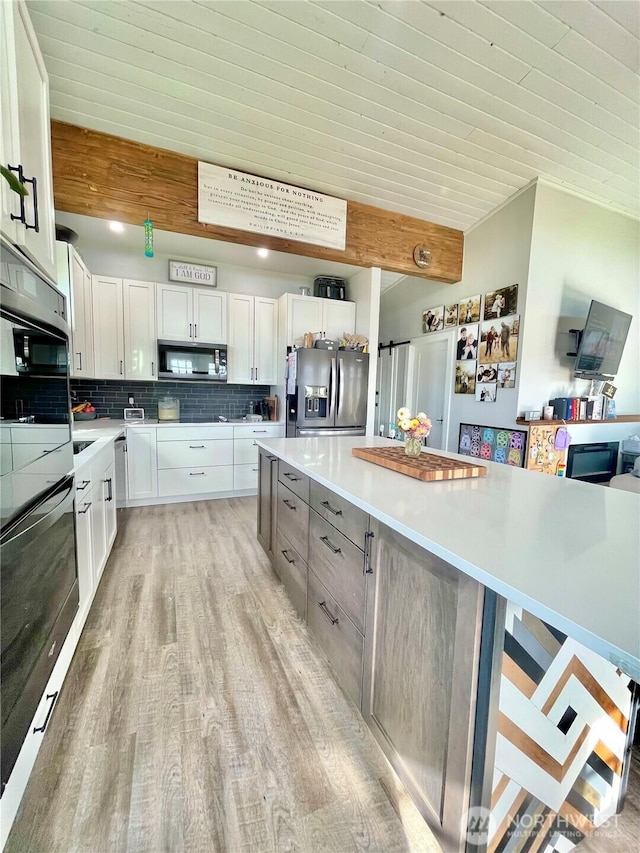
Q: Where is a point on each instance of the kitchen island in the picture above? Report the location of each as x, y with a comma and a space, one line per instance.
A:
489, 629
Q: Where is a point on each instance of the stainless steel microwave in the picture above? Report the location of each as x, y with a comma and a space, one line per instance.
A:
190, 360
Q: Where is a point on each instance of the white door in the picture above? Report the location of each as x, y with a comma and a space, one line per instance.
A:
240, 358
431, 388
304, 314
209, 316
338, 317
108, 327
384, 417
140, 356
142, 464
174, 312
35, 144
82, 363
265, 338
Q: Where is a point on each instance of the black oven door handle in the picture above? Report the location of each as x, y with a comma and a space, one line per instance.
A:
55, 505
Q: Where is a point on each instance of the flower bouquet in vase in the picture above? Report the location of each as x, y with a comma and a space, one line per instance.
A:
415, 429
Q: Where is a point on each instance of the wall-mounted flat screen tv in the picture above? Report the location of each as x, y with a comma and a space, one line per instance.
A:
602, 342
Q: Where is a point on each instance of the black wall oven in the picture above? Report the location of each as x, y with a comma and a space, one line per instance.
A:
38, 575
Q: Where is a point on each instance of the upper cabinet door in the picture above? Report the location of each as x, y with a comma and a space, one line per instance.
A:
108, 327
140, 357
82, 362
240, 361
9, 138
174, 312
36, 236
338, 317
265, 337
304, 314
209, 316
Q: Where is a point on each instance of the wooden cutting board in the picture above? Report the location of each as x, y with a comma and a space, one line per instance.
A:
426, 467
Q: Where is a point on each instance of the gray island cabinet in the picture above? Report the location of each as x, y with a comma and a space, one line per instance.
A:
499, 721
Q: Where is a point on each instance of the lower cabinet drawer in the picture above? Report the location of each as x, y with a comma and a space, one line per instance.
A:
245, 477
339, 565
293, 520
187, 454
340, 639
350, 520
292, 571
195, 481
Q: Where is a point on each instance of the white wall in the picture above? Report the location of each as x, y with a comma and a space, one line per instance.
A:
579, 252
496, 254
255, 282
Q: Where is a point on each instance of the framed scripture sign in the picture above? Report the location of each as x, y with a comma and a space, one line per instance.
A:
192, 273
251, 203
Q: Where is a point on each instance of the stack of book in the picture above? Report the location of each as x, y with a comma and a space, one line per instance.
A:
578, 408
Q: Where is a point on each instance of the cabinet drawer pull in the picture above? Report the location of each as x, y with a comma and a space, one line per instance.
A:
323, 606
260, 430
79, 354
85, 511
121, 367
291, 477
335, 550
53, 697
287, 557
190, 330
255, 469
272, 458
36, 225
197, 473
109, 483
82, 486
196, 447
289, 504
22, 217
331, 509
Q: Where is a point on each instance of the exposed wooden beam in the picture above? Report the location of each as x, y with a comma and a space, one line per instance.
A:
100, 175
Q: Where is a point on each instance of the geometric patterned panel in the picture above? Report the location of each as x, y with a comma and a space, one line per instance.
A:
562, 732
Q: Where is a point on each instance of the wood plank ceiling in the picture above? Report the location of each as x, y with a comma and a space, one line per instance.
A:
439, 110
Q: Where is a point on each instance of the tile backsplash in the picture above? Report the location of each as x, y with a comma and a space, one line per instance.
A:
196, 398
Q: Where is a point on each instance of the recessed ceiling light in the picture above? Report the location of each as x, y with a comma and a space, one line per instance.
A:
264, 253
118, 227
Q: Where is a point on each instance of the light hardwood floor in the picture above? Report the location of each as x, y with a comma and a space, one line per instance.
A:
199, 715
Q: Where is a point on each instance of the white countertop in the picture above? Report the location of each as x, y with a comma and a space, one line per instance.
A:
568, 552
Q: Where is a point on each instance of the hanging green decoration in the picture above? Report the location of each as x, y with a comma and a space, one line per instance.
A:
148, 238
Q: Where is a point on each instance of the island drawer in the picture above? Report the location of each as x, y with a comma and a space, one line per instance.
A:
293, 520
294, 480
169, 432
187, 454
349, 519
195, 481
339, 565
340, 639
292, 571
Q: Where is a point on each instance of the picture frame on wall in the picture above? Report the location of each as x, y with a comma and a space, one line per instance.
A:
433, 319
450, 315
469, 310
501, 303
467, 343
465, 377
499, 340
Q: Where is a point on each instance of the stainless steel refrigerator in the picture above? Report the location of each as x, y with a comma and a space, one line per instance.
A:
328, 392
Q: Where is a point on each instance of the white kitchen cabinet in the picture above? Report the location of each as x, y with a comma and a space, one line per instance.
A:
300, 314
253, 340
26, 138
84, 554
108, 327
197, 314
209, 316
98, 531
7, 350
140, 340
142, 466
74, 280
